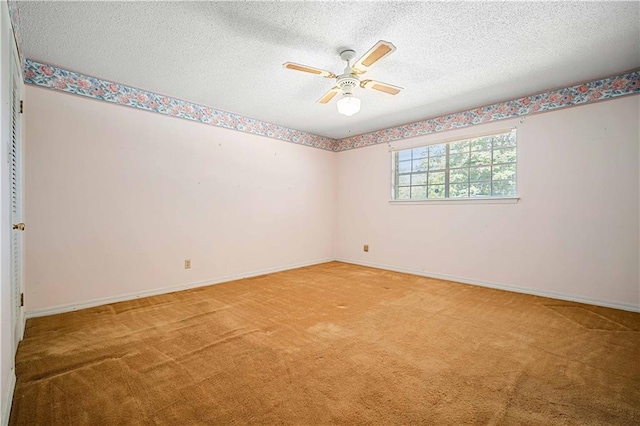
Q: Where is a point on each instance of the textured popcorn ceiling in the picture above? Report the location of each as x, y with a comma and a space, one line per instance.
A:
229, 55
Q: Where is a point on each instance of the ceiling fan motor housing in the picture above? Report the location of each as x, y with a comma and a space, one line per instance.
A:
348, 82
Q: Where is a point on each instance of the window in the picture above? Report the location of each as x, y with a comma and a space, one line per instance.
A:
479, 167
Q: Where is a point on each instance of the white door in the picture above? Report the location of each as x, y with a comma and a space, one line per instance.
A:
15, 157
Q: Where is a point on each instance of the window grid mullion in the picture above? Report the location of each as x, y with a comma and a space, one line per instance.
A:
469, 171
491, 170
446, 170
411, 178
396, 175
428, 170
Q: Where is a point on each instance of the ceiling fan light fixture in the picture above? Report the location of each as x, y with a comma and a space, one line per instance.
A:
348, 105
349, 80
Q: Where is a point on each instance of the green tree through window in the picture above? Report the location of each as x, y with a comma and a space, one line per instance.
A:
478, 167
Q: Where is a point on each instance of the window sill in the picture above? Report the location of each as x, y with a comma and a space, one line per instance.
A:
478, 200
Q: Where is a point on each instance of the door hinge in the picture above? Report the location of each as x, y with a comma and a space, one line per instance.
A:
21, 106
21, 299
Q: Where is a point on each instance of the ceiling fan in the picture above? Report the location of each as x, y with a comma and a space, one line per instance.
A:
350, 77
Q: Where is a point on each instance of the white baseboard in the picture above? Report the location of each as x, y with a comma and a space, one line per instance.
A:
164, 290
7, 398
534, 292
121, 298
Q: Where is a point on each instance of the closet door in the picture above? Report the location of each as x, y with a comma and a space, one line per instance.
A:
15, 159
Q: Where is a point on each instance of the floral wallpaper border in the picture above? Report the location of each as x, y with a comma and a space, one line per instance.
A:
52, 77
55, 78
579, 94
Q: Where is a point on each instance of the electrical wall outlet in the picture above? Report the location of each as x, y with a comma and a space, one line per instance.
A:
366, 247
187, 264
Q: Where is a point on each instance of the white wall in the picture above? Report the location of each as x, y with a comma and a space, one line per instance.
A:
116, 199
574, 233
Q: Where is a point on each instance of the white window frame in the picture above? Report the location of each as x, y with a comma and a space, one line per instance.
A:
511, 199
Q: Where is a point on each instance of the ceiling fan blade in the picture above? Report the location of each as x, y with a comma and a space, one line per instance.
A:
326, 98
380, 50
380, 86
310, 70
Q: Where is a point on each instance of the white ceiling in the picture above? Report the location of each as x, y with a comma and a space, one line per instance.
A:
451, 56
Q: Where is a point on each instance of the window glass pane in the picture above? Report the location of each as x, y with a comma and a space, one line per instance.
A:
479, 173
481, 143
404, 166
505, 155
458, 160
404, 155
419, 179
435, 150
458, 175
420, 165
403, 193
504, 172
436, 191
418, 192
479, 167
505, 139
480, 189
481, 157
420, 152
459, 147
436, 178
437, 163
504, 188
457, 190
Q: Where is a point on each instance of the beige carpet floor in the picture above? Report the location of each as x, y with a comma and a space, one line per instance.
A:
332, 344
